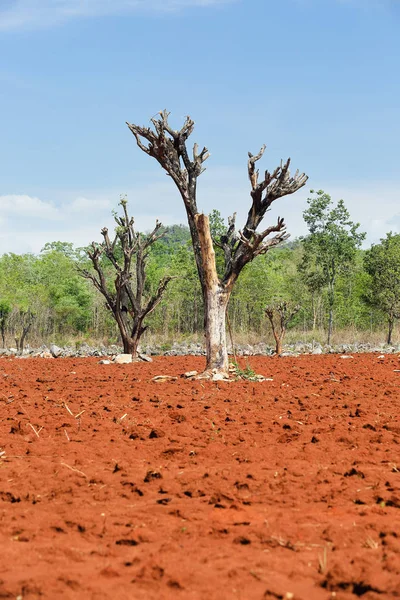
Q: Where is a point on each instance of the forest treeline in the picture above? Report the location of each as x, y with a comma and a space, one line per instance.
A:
337, 284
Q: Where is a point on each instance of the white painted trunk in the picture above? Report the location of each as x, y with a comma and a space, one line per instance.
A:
216, 299
216, 302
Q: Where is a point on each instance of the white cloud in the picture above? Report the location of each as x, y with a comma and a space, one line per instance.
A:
375, 207
28, 222
24, 206
35, 14
88, 205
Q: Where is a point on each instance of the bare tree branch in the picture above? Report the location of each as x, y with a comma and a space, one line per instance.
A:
251, 244
157, 296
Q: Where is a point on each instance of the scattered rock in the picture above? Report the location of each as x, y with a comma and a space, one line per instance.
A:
122, 359
197, 349
220, 377
346, 356
145, 358
104, 362
55, 351
190, 374
162, 378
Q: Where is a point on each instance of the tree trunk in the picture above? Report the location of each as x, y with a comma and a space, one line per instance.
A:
22, 338
131, 342
216, 298
330, 325
3, 333
215, 304
390, 330
315, 307
278, 346
331, 300
130, 346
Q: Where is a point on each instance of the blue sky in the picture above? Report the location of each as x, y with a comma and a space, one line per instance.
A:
317, 80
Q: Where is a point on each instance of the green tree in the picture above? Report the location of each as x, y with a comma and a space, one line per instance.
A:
67, 294
382, 263
330, 249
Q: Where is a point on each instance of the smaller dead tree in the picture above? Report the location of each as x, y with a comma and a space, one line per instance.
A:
127, 254
280, 314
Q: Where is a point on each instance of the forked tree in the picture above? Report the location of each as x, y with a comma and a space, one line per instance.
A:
128, 254
280, 314
169, 148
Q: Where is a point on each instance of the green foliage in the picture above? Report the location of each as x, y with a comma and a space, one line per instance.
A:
330, 249
331, 246
271, 277
366, 285
382, 263
5, 309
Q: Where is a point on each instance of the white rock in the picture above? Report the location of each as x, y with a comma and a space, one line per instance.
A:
145, 358
56, 351
104, 362
347, 356
123, 359
220, 377
190, 374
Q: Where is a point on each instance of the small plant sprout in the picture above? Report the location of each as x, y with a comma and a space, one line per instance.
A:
247, 373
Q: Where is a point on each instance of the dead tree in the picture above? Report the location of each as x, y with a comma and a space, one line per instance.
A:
168, 147
280, 315
128, 254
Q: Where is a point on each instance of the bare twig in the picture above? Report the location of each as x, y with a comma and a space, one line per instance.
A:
75, 470
68, 409
36, 432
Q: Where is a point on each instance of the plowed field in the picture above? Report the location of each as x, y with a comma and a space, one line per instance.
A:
116, 487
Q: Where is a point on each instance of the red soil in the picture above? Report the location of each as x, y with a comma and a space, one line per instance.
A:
115, 487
